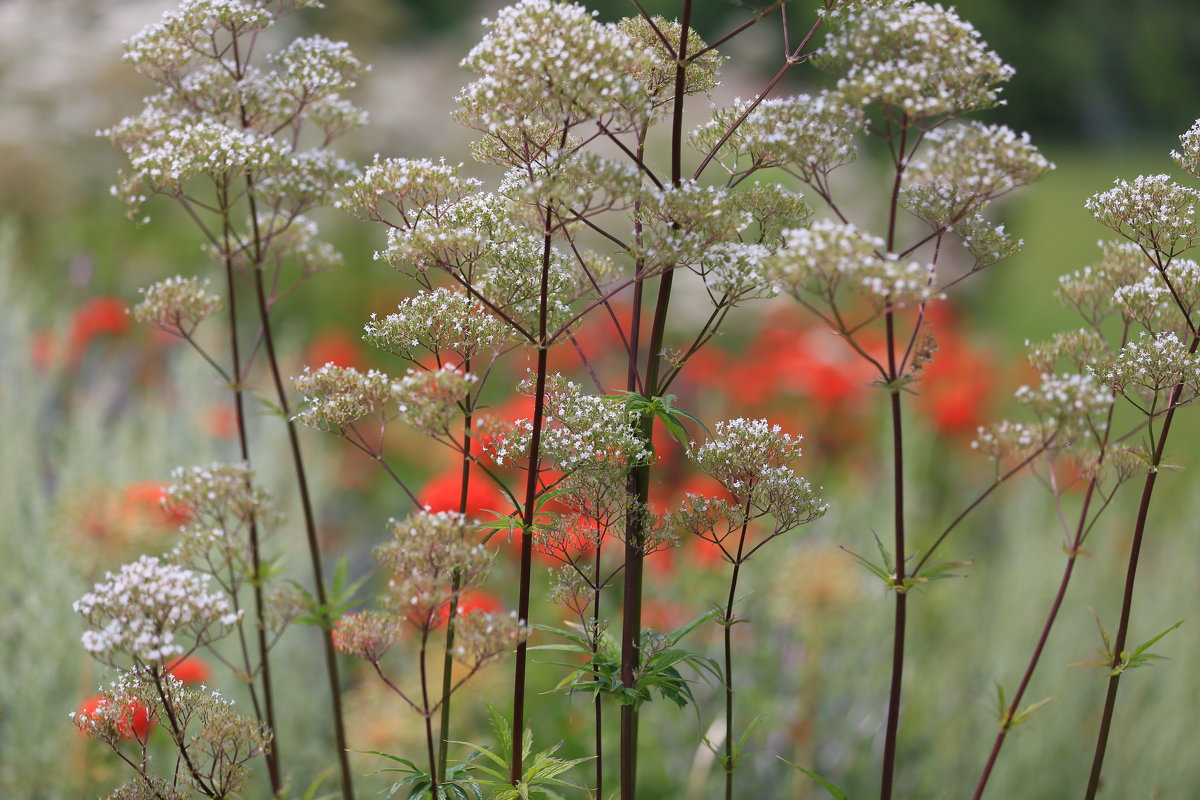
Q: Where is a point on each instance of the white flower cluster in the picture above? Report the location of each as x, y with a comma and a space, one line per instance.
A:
176, 305
919, 58
809, 136
989, 244
1152, 364
438, 321
1072, 402
1080, 349
296, 238
165, 151
579, 432
681, 223
657, 75
742, 449
220, 502
774, 210
733, 271
163, 50
551, 61
1153, 211
1090, 290
433, 400
1008, 439
1188, 154
416, 189
575, 185
1147, 302
830, 255
336, 397
964, 167
317, 66
141, 610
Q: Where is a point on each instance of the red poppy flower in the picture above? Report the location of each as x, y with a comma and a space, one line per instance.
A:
135, 723
99, 315
444, 493
190, 670
334, 345
144, 500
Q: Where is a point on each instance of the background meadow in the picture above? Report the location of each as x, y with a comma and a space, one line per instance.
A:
97, 411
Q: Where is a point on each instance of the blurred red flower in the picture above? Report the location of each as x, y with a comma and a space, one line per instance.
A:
143, 500
99, 315
443, 492
334, 345
135, 723
190, 670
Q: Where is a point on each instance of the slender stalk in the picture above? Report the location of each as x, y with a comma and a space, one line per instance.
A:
531, 492
452, 612
640, 477
427, 713
239, 405
595, 639
901, 614
1075, 543
1135, 550
727, 622
310, 529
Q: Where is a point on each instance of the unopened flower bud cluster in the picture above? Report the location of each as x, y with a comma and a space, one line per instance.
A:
427, 551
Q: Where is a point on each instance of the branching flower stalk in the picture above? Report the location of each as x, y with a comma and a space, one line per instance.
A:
916, 66
751, 460
243, 129
1159, 217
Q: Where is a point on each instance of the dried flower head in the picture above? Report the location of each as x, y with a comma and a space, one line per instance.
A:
367, 634
427, 552
432, 401
484, 638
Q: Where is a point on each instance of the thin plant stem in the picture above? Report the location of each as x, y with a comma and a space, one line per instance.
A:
452, 612
727, 622
1139, 530
640, 478
239, 405
901, 613
531, 493
310, 529
427, 713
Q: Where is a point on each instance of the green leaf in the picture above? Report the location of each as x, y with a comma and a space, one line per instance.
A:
837, 793
1141, 656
